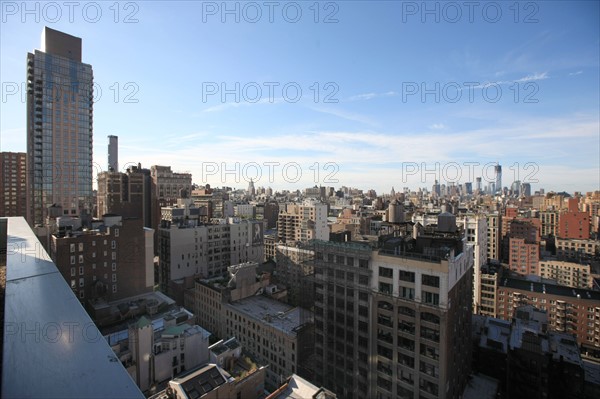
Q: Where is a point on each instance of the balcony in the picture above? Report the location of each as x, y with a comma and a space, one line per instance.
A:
52, 349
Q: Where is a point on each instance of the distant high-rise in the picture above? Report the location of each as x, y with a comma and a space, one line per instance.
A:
498, 170
113, 153
478, 184
251, 189
59, 128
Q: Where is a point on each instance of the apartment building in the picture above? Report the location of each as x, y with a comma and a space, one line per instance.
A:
570, 310
303, 222
570, 274
113, 260
206, 250
13, 184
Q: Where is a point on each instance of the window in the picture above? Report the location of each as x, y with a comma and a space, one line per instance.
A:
114, 278
72, 248
81, 282
116, 232
385, 272
114, 288
385, 288
113, 244
432, 281
80, 258
80, 247
72, 259
406, 311
73, 272
80, 270
431, 298
406, 276
430, 334
407, 293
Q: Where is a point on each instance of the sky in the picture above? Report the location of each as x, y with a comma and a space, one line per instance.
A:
366, 94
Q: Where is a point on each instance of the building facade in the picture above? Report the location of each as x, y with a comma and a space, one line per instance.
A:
110, 262
59, 128
13, 184
303, 222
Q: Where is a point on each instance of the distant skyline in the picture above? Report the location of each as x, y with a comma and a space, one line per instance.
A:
377, 93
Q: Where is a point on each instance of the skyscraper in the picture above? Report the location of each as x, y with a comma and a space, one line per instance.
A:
498, 170
113, 153
59, 128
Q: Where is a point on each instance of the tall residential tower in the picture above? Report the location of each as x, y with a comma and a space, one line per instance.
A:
59, 128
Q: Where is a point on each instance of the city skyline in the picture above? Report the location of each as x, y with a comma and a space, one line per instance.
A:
380, 106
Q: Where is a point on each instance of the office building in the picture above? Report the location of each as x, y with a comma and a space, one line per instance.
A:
384, 325
59, 128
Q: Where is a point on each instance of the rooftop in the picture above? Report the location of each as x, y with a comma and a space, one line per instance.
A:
481, 387
299, 388
550, 289
496, 333
200, 381
277, 314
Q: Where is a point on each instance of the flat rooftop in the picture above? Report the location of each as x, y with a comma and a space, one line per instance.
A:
277, 314
550, 289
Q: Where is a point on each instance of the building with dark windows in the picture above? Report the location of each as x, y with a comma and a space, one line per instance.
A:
59, 128
395, 321
13, 187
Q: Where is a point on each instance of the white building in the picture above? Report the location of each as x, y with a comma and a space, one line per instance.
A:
156, 350
303, 222
207, 250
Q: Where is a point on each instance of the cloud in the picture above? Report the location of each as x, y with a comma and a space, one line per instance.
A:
437, 126
225, 106
575, 73
535, 76
340, 113
369, 96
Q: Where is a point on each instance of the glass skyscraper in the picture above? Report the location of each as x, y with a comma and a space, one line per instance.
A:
59, 128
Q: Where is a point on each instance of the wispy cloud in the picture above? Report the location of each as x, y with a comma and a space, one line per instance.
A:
351, 116
225, 106
369, 96
535, 76
575, 73
437, 126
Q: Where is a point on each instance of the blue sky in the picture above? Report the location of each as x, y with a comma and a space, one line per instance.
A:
403, 95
